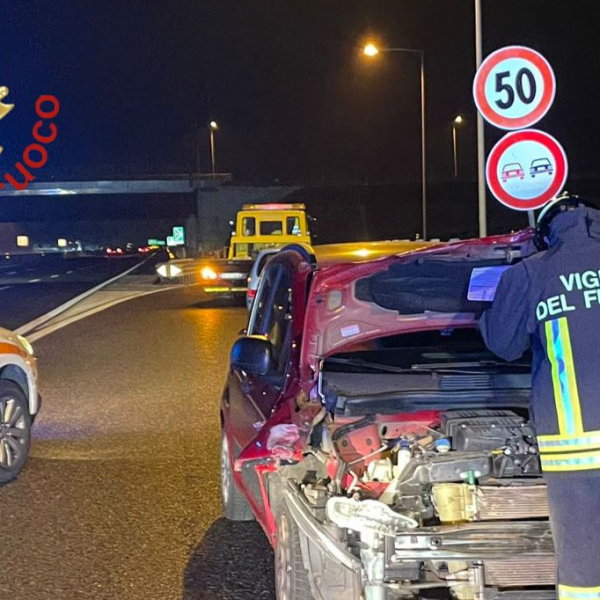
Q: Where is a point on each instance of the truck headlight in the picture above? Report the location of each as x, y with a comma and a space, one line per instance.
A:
208, 273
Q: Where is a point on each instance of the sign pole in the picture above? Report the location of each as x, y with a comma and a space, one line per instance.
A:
480, 131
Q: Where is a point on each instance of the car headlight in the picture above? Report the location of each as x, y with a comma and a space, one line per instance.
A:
26, 344
208, 273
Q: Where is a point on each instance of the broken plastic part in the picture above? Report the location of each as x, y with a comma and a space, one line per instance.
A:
367, 516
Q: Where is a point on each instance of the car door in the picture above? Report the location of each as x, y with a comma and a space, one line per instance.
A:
251, 398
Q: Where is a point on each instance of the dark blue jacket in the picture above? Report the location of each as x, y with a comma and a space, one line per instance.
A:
551, 302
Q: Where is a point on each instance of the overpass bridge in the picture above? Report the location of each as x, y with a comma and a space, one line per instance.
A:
217, 199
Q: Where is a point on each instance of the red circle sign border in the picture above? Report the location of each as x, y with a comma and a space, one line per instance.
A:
483, 106
532, 135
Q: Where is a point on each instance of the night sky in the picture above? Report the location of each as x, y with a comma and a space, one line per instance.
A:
138, 81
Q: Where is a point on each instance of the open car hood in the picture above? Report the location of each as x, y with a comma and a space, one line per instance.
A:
350, 304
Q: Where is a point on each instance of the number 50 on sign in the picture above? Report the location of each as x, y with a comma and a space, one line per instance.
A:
514, 87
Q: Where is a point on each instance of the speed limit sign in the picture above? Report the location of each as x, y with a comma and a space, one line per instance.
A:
514, 87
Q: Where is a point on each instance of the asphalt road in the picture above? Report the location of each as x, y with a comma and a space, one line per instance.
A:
32, 286
120, 498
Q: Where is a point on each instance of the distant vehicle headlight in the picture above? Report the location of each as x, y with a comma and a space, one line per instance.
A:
26, 344
208, 273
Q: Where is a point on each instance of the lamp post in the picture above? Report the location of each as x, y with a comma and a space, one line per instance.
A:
480, 131
371, 50
213, 127
457, 121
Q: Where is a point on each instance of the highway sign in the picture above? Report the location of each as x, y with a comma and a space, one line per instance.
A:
179, 235
156, 242
514, 87
526, 168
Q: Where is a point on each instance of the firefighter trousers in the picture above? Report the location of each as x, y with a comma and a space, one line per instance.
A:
575, 520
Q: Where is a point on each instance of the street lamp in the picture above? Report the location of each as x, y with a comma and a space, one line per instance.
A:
213, 127
457, 121
371, 50
481, 197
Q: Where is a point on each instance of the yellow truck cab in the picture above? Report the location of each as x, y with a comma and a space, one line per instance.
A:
261, 226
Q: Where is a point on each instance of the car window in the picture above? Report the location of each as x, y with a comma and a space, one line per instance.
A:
271, 228
272, 314
262, 263
261, 302
293, 226
249, 226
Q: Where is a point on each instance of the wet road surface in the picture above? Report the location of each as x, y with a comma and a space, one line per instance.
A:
120, 498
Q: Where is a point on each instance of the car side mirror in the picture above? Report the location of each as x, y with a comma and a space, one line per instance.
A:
251, 353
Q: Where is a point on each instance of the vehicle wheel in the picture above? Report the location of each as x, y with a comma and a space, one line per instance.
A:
235, 506
15, 430
291, 578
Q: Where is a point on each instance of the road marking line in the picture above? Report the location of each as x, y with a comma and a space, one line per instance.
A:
11, 273
54, 276
34, 280
32, 325
69, 272
5, 287
39, 334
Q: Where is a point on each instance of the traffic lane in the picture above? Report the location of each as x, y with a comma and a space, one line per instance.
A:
48, 288
120, 499
83, 268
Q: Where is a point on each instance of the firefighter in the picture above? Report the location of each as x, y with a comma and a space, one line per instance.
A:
551, 303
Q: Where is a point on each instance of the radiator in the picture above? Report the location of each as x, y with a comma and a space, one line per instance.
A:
523, 571
511, 502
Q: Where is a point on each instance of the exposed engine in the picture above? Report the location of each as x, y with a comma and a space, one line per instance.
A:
435, 499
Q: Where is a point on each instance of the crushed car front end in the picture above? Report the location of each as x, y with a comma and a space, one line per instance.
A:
421, 477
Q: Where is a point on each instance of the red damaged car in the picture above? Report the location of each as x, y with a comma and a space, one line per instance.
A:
384, 451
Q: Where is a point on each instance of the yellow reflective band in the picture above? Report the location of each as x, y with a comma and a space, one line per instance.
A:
555, 379
564, 383
560, 436
570, 369
589, 440
574, 461
568, 592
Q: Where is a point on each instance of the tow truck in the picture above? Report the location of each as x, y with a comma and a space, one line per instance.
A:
258, 226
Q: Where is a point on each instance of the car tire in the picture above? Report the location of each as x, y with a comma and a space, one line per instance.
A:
15, 430
291, 578
235, 506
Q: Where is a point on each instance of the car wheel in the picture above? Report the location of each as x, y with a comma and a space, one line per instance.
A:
291, 578
235, 506
15, 430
